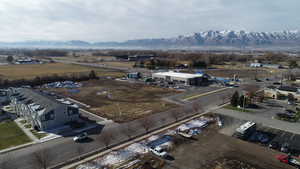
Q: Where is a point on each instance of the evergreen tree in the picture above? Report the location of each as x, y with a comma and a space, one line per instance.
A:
234, 99
242, 101
92, 75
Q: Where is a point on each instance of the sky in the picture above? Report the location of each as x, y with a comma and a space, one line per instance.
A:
120, 20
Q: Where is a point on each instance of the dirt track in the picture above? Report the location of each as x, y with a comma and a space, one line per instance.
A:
212, 150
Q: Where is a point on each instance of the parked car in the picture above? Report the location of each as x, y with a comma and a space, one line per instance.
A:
80, 137
285, 148
290, 112
285, 116
274, 145
259, 137
288, 159
158, 151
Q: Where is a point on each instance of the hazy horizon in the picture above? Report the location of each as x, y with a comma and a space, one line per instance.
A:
118, 20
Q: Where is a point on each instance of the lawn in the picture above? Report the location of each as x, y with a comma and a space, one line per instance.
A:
13, 72
11, 135
37, 134
121, 101
236, 108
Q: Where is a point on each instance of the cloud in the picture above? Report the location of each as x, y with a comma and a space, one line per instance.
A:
118, 20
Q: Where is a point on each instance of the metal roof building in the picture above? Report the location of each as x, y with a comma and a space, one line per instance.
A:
184, 78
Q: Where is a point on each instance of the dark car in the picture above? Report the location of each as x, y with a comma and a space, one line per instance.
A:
276, 83
274, 145
290, 112
285, 147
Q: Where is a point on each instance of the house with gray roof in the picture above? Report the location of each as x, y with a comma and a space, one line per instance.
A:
42, 110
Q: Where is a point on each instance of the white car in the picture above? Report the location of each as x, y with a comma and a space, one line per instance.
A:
158, 151
80, 137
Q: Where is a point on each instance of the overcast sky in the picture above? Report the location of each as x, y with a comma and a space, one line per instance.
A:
119, 20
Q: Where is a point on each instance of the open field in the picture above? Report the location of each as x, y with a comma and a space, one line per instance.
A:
211, 150
13, 72
11, 135
119, 64
120, 101
241, 73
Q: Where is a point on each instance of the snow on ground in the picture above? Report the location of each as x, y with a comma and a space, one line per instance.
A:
152, 138
116, 157
194, 124
131, 152
138, 148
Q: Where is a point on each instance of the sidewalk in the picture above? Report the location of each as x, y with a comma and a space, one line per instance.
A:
26, 131
78, 102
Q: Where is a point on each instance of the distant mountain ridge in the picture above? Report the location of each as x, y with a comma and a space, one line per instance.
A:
207, 38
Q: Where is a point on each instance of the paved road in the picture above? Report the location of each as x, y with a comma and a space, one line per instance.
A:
63, 149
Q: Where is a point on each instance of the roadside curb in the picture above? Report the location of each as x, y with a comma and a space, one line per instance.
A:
204, 94
17, 147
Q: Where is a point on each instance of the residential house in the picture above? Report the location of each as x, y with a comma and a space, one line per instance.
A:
276, 93
43, 111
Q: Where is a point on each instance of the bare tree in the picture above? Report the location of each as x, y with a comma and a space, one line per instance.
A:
146, 123
223, 97
128, 130
197, 108
106, 137
42, 158
175, 115
251, 91
79, 150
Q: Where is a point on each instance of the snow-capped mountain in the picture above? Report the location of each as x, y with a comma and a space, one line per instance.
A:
200, 39
226, 38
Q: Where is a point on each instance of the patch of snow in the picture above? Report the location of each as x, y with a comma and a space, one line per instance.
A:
137, 148
152, 138
116, 157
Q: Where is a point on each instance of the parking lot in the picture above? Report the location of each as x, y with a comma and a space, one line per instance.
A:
265, 136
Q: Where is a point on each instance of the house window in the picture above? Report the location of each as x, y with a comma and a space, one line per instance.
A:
72, 111
49, 116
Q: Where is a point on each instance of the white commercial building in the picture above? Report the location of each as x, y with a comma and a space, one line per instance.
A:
183, 78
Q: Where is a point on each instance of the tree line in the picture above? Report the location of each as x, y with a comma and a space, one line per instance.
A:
40, 80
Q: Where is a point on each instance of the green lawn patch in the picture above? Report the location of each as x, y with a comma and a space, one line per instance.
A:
236, 108
23, 121
11, 135
37, 134
27, 126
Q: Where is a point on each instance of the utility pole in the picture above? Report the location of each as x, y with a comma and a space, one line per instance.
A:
244, 103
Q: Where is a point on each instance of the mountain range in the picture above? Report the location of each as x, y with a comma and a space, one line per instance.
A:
201, 39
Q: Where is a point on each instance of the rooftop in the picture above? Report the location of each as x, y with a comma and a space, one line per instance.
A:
245, 127
178, 74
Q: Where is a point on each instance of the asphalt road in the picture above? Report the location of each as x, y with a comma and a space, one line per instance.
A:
63, 149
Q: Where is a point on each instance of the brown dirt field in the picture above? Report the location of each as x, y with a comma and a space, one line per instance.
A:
119, 64
241, 73
13, 72
212, 150
121, 101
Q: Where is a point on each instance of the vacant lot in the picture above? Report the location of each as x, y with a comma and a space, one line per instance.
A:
13, 72
11, 135
120, 101
119, 64
241, 73
211, 150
